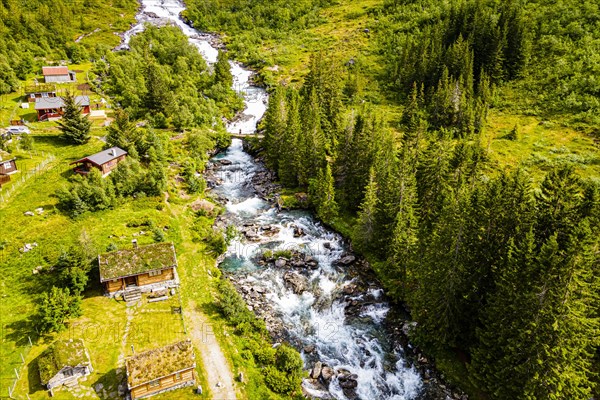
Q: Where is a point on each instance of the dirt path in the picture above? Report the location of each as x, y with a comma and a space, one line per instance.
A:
216, 366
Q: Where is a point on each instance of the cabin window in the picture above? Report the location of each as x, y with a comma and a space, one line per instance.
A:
154, 273
178, 376
154, 383
7, 165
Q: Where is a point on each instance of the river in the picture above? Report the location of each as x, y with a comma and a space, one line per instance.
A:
329, 313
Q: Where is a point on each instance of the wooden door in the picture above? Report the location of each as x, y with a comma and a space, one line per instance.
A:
131, 281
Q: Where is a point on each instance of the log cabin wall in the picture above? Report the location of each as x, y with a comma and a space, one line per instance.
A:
165, 275
170, 382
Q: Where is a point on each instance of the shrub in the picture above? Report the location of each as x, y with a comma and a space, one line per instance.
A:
55, 308
280, 382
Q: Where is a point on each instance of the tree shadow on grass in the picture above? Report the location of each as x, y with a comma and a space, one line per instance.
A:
210, 309
107, 386
33, 376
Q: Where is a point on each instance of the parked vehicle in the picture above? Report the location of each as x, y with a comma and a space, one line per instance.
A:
17, 130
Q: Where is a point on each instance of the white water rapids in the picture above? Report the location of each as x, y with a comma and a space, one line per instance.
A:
317, 317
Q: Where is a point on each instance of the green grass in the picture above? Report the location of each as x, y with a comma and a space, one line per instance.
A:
104, 320
10, 104
540, 145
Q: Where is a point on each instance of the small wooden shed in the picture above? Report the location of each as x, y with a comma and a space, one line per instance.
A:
63, 362
160, 370
7, 168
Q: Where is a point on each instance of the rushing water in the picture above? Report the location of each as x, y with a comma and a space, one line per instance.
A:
317, 317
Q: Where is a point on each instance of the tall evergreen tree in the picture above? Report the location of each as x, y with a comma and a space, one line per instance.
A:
322, 194
312, 140
74, 126
364, 231
289, 158
123, 133
275, 126
222, 70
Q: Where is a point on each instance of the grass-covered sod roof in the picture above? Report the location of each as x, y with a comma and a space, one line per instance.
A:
137, 260
60, 354
154, 364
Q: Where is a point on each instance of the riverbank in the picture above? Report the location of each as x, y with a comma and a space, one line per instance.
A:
273, 246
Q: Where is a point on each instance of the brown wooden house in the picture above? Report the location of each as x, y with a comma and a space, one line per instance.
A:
7, 168
105, 161
160, 370
52, 108
142, 268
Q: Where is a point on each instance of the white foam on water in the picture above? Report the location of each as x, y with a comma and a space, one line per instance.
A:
377, 312
312, 318
250, 206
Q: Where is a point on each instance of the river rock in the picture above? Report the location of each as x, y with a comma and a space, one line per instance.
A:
280, 262
29, 213
298, 283
327, 373
298, 232
347, 260
316, 371
225, 162
309, 349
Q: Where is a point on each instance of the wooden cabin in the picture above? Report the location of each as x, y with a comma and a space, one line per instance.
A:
160, 370
64, 362
58, 74
7, 168
142, 268
35, 92
105, 161
52, 108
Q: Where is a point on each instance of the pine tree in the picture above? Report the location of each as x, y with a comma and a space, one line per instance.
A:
366, 224
405, 240
74, 126
222, 70
289, 158
159, 97
275, 126
322, 194
123, 133
312, 140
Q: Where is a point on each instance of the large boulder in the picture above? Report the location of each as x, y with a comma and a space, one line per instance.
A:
316, 371
327, 373
298, 283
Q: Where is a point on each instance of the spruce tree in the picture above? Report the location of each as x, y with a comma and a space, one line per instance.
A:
364, 231
312, 140
222, 70
322, 194
74, 126
123, 133
275, 126
405, 240
289, 158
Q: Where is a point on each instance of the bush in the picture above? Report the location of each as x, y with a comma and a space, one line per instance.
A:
158, 235
26, 142
55, 308
280, 382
